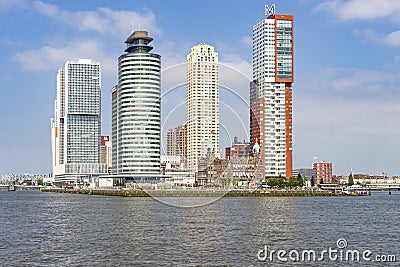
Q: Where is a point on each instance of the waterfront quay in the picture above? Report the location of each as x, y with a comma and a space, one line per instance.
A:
191, 192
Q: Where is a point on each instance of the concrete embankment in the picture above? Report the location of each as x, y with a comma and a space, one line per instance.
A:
191, 193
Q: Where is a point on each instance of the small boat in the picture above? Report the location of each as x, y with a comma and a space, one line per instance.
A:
355, 191
11, 187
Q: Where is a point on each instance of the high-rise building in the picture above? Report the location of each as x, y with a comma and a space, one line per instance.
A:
202, 96
76, 124
176, 141
271, 93
136, 109
323, 172
106, 151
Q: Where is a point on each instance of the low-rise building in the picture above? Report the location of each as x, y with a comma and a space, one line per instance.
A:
308, 174
218, 171
238, 149
174, 168
323, 172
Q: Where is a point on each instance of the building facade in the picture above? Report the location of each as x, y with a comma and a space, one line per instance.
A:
202, 95
173, 168
271, 93
176, 141
238, 149
323, 172
308, 174
76, 124
106, 152
136, 109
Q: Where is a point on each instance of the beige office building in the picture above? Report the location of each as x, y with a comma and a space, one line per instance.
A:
202, 97
176, 141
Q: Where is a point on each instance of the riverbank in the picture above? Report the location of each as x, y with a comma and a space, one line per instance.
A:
192, 193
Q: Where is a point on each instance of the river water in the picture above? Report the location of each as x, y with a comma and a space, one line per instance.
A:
53, 229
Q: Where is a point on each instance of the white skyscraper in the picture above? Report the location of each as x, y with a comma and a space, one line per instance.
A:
271, 92
202, 95
136, 109
76, 124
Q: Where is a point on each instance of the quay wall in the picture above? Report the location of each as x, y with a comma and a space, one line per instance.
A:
191, 193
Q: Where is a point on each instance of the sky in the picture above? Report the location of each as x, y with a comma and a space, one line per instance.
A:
345, 95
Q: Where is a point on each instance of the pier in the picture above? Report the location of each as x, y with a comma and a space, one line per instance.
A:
12, 187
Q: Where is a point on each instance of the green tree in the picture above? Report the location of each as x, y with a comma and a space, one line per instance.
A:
276, 182
312, 181
321, 181
295, 181
225, 181
351, 180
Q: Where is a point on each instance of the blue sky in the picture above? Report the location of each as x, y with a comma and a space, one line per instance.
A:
347, 63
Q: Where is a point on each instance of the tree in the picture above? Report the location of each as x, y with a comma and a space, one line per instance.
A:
321, 181
312, 181
225, 181
295, 181
276, 182
351, 180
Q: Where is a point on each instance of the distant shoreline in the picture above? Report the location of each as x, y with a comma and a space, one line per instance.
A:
192, 193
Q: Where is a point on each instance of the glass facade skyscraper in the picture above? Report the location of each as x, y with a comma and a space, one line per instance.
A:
76, 124
136, 109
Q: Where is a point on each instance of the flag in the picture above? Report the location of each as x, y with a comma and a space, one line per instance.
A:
213, 132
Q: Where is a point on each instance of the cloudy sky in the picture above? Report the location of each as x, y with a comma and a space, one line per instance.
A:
347, 62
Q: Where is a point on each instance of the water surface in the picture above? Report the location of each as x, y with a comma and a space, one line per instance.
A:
53, 229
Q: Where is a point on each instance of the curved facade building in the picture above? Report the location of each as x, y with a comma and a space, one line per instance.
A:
136, 111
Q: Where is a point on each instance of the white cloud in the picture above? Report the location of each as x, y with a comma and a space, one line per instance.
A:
10, 4
6, 41
171, 53
122, 20
47, 9
347, 10
361, 79
236, 62
392, 38
51, 58
246, 40
361, 9
396, 59
103, 20
353, 81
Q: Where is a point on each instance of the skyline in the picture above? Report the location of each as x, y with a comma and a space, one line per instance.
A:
349, 69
